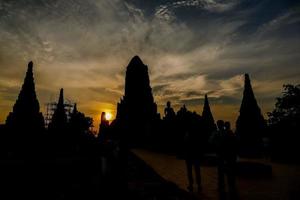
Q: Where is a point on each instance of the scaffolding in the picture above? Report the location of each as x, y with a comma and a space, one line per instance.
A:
51, 107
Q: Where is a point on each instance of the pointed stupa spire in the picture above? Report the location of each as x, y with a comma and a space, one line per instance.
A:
29, 73
27, 94
30, 67
60, 109
250, 123
75, 108
25, 124
61, 97
59, 118
248, 96
207, 116
206, 113
26, 110
206, 108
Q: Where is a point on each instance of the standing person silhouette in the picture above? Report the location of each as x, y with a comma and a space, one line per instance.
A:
190, 127
219, 142
225, 142
192, 159
230, 159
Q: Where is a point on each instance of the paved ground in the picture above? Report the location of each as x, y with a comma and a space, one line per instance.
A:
145, 184
284, 184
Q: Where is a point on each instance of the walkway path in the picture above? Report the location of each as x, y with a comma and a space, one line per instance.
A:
284, 183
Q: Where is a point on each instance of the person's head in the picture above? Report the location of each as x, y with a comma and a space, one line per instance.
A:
227, 125
168, 104
220, 124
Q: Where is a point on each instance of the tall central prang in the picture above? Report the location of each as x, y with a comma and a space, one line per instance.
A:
137, 111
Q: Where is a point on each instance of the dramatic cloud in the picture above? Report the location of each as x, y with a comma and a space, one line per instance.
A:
192, 47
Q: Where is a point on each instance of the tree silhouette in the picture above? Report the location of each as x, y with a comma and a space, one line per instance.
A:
80, 123
287, 107
25, 124
80, 136
250, 125
284, 123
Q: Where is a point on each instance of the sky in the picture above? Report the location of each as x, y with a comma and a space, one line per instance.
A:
191, 47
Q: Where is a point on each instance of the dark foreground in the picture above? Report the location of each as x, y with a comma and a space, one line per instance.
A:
145, 175
84, 178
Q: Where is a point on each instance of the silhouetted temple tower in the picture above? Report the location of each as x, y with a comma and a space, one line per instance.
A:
26, 116
25, 124
103, 128
59, 118
208, 119
207, 116
250, 123
137, 110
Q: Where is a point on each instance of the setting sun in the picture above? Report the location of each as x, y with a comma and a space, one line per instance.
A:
108, 116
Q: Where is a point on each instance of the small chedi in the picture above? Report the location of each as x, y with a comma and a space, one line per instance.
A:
58, 132
137, 111
59, 118
103, 128
209, 125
